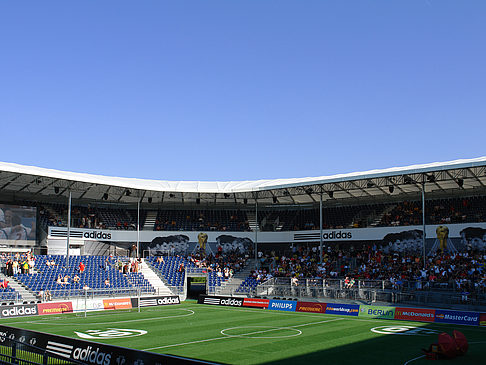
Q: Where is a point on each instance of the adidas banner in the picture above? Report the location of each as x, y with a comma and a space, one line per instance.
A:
155, 301
225, 301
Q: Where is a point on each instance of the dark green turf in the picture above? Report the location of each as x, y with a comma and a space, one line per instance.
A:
260, 336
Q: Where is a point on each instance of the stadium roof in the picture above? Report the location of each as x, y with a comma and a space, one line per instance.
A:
467, 175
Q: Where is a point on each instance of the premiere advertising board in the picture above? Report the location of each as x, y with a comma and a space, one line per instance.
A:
311, 307
55, 308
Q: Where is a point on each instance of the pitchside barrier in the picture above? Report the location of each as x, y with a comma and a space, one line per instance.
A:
75, 351
22, 310
353, 310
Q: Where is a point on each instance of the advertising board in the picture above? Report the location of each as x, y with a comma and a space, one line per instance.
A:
156, 301
415, 314
122, 303
225, 301
372, 311
55, 308
482, 319
456, 317
283, 305
342, 309
311, 307
21, 310
255, 302
88, 304
87, 352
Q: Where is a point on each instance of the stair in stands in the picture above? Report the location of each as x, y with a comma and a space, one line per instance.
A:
27, 295
154, 279
380, 216
229, 287
150, 221
252, 222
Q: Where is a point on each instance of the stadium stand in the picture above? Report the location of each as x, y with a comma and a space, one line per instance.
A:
101, 273
197, 220
404, 213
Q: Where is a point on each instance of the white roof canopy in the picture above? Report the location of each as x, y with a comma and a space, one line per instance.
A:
467, 174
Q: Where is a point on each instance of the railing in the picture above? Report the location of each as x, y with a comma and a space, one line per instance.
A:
363, 290
91, 293
20, 353
196, 270
15, 297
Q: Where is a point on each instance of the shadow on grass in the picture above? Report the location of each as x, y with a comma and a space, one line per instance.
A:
400, 348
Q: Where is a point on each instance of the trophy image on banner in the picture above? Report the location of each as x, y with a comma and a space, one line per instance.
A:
442, 243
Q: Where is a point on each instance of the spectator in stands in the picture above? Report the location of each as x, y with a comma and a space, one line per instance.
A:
48, 295
81, 267
107, 264
9, 267
15, 267
119, 265
107, 282
31, 264
76, 279
25, 266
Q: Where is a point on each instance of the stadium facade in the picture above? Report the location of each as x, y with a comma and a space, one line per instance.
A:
160, 216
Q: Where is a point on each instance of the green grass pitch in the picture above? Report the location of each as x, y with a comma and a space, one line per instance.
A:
255, 336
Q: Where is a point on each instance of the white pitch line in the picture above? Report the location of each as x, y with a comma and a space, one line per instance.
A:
409, 361
191, 312
245, 334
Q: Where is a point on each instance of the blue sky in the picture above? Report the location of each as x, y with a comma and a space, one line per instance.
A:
235, 90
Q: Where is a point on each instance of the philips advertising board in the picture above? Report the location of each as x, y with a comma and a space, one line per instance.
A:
372, 311
456, 317
343, 309
283, 305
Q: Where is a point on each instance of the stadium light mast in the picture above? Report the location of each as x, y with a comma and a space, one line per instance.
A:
423, 219
68, 229
256, 231
138, 228
320, 228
